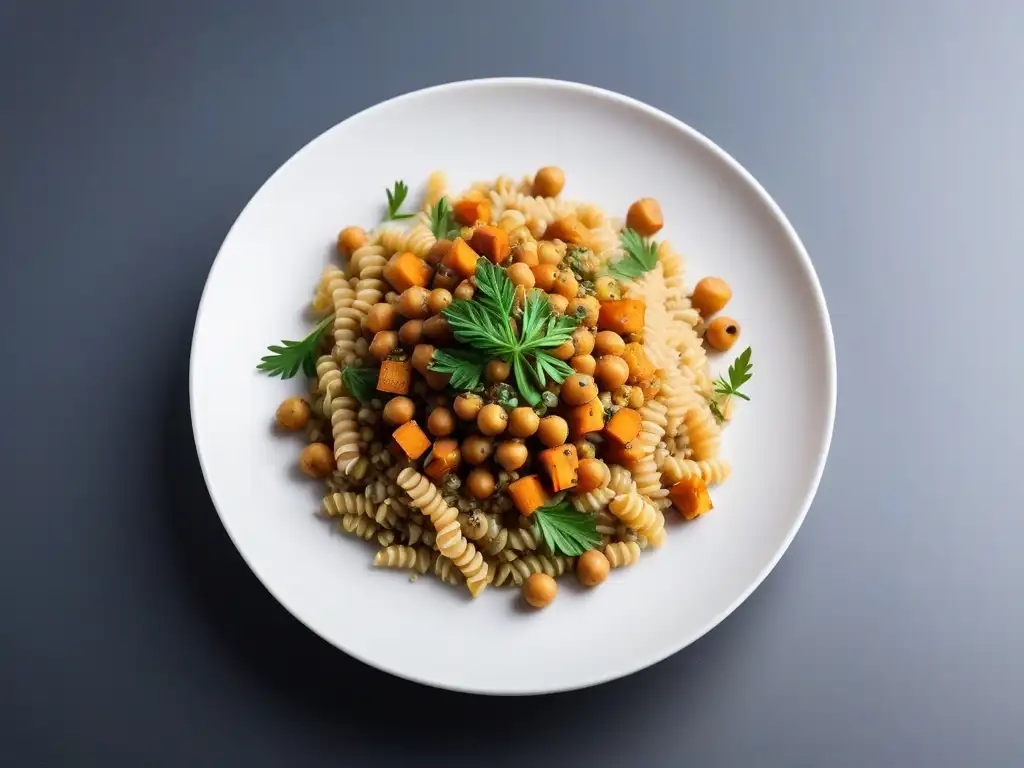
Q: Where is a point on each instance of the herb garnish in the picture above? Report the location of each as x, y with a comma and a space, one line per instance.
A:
566, 530
442, 220
641, 256
291, 356
395, 200
739, 374
361, 383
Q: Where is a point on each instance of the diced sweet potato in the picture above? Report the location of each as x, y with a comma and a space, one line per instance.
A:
561, 463
622, 316
411, 439
491, 242
626, 455
624, 425
469, 212
406, 269
461, 259
690, 497
586, 418
569, 229
395, 377
640, 367
444, 458
528, 494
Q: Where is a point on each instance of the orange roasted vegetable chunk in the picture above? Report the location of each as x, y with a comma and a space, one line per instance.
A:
586, 418
469, 212
491, 242
626, 455
622, 316
395, 377
528, 494
641, 368
624, 425
690, 497
406, 269
561, 463
461, 259
444, 458
569, 229
411, 439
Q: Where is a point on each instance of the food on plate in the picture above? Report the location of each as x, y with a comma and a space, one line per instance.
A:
508, 385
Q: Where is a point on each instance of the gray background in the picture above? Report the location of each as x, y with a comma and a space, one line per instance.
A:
132, 133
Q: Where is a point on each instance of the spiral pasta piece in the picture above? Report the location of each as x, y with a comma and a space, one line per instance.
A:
620, 480
346, 503
405, 558
703, 432
594, 501
640, 515
622, 553
515, 572
607, 525
711, 471
447, 571
418, 240
359, 525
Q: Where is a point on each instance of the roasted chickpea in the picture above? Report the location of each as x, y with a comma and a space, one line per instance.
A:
399, 410
317, 460
558, 303
578, 389
722, 333
549, 181
411, 333
710, 295
566, 285
522, 422
609, 343
587, 308
492, 419
474, 524
564, 351
526, 253
441, 422
421, 357
351, 238
636, 398
592, 568
590, 474
544, 276
585, 449
446, 278
520, 235
480, 483
438, 300
612, 372
607, 289
520, 274
383, 344
645, 216
465, 290
436, 328
583, 364
476, 449
511, 454
539, 590
293, 414
438, 251
381, 317
497, 371
583, 341
549, 254
468, 405
553, 431
413, 302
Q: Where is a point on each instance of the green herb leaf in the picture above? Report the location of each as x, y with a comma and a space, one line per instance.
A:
740, 373
361, 383
551, 368
465, 365
496, 291
395, 199
441, 219
566, 530
292, 356
641, 256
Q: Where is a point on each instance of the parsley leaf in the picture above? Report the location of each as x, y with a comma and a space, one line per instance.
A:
740, 373
641, 256
395, 200
566, 530
442, 220
291, 356
361, 383
465, 365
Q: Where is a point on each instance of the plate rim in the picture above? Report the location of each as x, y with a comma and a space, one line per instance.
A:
708, 145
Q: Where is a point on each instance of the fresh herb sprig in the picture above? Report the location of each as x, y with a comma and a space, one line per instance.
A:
484, 325
361, 383
641, 256
395, 199
739, 374
292, 356
442, 220
566, 530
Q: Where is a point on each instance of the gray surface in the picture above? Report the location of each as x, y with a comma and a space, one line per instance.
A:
132, 133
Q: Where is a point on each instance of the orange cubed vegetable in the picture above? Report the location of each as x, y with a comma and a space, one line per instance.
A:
623, 426
690, 497
491, 242
622, 316
444, 458
569, 229
641, 368
586, 418
528, 494
395, 377
469, 212
626, 455
411, 439
461, 259
406, 269
561, 464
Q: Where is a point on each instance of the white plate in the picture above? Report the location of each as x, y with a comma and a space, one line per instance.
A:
613, 150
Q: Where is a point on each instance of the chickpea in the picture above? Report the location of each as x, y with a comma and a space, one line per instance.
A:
441, 422
480, 483
710, 295
492, 420
526, 253
587, 308
399, 410
317, 460
612, 372
438, 300
592, 568
411, 333
549, 181
381, 317
350, 239
293, 414
476, 449
539, 590
583, 341
413, 303
383, 344
585, 449
520, 274
566, 285
645, 216
590, 474
523, 422
553, 431
520, 235
437, 252
436, 328
468, 405
497, 371
391, 298
722, 333
422, 356
564, 351
465, 290
583, 364
511, 454
558, 303
446, 278
578, 389
636, 398
607, 289
609, 343
544, 276
549, 254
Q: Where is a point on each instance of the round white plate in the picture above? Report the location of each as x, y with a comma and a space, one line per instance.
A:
613, 150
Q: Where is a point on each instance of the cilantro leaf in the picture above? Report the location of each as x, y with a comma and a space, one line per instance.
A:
361, 383
395, 199
740, 372
641, 256
497, 292
441, 220
291, 356
566, 530
465, 365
